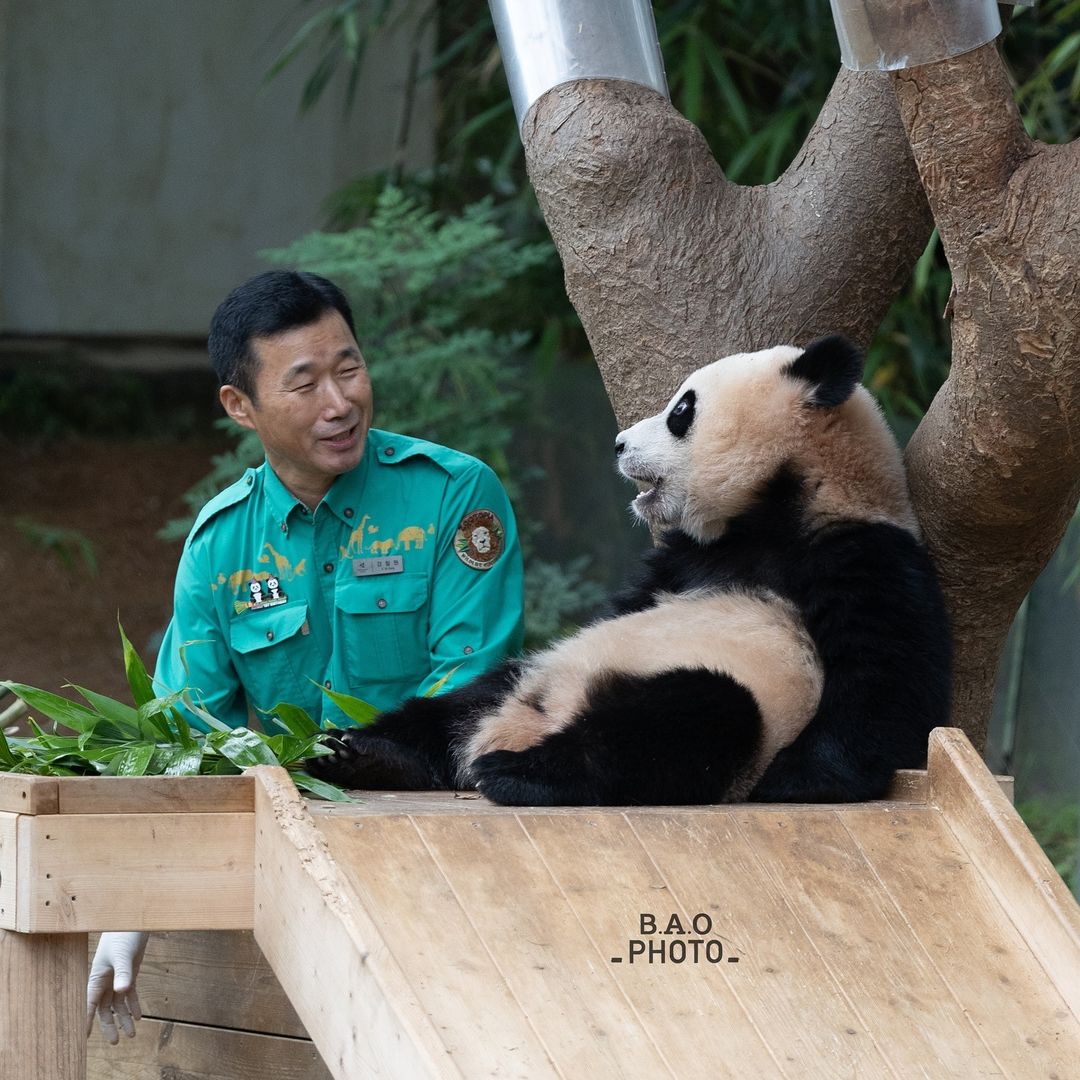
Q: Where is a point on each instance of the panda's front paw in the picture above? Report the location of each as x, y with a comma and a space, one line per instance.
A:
367, 759
344, 764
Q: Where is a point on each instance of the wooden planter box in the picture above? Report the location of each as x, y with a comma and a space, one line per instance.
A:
430, 934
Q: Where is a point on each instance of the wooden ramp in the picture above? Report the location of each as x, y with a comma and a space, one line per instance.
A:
430, 935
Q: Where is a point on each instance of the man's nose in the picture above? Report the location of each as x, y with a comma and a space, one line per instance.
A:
335, 403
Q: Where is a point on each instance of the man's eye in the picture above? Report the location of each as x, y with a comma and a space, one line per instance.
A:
349, 372
303, 388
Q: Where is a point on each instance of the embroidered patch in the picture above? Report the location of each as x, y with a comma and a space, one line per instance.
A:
480, 539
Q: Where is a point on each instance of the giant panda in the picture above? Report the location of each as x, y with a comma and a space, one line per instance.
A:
785, 641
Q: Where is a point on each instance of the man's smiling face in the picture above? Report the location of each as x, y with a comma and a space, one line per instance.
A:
312, 404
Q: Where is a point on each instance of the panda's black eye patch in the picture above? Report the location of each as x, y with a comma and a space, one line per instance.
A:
682, 415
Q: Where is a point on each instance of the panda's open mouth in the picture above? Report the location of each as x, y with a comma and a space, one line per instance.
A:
648, 490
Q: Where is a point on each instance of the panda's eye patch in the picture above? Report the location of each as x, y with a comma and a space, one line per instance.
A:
682, 415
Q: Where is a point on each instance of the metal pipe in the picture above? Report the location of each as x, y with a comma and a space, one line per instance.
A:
548, 42
884, 35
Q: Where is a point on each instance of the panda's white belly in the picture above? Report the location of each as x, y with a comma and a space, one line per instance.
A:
758, 639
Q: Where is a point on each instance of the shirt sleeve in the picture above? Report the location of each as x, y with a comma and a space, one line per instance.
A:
205, 665
476, 617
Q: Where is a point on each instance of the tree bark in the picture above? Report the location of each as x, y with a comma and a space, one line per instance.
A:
995, 465
671, 266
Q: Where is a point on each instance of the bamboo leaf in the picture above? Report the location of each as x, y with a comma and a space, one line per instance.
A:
293, 718
123, 717
320, 787
63, 710
142, 689
243, 748
354, 708
132, 761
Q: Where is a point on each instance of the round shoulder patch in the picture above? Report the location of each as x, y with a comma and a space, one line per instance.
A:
480, 539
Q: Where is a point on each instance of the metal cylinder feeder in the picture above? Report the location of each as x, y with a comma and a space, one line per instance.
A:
548, 42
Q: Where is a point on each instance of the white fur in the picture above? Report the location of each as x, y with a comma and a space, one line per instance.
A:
757, 639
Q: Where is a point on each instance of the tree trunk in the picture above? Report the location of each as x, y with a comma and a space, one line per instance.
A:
995, 465
671, 266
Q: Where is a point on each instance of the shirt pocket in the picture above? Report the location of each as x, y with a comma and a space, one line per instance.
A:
385, 628
267, 648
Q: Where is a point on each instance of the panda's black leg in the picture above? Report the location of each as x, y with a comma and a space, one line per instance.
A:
409, 748
677, 738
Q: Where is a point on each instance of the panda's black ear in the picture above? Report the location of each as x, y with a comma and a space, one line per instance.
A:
832, 366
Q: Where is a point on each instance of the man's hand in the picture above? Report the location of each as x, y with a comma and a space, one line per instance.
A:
110, 990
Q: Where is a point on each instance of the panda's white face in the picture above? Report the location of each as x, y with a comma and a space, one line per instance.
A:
726, 430
732, 425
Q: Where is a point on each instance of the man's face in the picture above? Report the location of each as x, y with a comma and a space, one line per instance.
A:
312, 407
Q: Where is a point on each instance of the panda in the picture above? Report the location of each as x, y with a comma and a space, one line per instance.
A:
786, 641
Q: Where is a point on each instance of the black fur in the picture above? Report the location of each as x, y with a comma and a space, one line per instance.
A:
409, 749
677, 738
833, 366
870, 601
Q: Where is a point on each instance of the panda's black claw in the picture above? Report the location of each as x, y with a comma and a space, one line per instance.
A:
367, 759
341, 766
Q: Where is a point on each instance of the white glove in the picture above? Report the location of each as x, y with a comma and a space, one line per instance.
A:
110, 990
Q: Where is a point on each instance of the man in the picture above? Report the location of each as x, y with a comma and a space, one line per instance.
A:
352, 559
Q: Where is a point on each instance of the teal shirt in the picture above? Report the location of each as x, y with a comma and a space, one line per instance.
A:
407, 571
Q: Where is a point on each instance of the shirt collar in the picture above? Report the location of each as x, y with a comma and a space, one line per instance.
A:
342, 499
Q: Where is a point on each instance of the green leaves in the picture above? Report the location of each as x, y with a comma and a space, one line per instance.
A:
151, 737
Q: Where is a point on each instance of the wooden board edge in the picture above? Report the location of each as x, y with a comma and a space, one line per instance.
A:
156, 795
9, 871
1009, 858
57, 852
333, 964
22, 794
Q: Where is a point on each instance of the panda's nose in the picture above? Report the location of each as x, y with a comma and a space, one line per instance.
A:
620, 446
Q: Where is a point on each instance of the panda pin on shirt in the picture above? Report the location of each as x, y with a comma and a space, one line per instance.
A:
786, 641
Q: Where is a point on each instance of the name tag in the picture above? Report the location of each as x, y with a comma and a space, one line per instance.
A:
387, 564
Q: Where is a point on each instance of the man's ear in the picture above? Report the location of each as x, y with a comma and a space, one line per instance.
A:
238, 405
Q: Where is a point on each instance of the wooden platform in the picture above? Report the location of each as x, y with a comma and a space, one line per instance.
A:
434, 935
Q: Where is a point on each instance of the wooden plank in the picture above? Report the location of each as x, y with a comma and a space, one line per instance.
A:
346, 986
43, 1010
865, 945
683, 988
1021, 877
157, 795
174, 1051
135, 872
9, 863
215, 977
454, 979
28, 794
970, 940
713, 877
908, 785
563, 983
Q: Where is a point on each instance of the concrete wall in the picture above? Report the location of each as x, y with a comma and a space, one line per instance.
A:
144, 163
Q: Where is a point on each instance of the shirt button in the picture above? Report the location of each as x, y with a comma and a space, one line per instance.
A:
380, 603
327, 684
348, 511
389, 451
269, 635
468, 650
251, 479
328, 567
284, 527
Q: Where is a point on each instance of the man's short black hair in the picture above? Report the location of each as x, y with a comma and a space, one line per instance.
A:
267, 304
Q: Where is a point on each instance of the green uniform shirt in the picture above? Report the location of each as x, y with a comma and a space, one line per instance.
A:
408, 569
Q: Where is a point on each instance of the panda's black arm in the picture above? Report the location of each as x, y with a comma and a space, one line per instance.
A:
874, 609
409, 748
